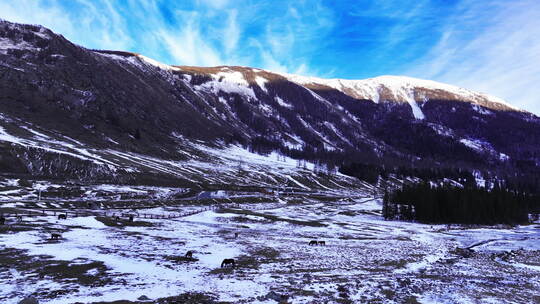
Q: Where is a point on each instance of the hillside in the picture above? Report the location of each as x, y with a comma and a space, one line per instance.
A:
67, 111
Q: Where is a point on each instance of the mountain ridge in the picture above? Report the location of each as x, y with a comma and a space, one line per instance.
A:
123, 101
368, 88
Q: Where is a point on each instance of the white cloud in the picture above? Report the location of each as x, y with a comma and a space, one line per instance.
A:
203, 32
187, 45
231, 33
493, 48
33, 12
216, 4
100, 26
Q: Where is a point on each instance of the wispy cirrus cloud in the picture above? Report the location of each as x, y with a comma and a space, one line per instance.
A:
276, 35
489, 46
92, 23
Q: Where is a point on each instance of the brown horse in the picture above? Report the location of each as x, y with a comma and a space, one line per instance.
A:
189, 254
56, 236
62, 216
228, 262
313, 242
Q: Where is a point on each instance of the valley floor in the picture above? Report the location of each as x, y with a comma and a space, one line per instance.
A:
365, 259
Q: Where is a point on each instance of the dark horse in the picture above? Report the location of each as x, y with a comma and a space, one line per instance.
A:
313, 242
228, 262
322, 243
2, 220
62, 216
189, 254
130, 218
55, 236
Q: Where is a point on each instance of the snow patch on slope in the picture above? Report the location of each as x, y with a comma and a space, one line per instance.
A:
4, 136
261, 82
282, 102
473, 144
417, 112
483, 147
158, 64
228, 82
231, 77
7, 44
481, 110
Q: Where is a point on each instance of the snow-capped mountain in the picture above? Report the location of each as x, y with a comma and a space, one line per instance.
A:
111, 109
404, 89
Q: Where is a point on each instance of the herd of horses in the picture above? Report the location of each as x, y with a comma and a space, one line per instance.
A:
189, 254
225, 263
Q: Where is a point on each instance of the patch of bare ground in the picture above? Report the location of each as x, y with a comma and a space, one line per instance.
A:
122, 222
185, 298
273, 218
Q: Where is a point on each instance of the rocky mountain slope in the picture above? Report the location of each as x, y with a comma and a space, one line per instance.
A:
67, 111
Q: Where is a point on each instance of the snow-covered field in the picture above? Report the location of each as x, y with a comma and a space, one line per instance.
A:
365, 258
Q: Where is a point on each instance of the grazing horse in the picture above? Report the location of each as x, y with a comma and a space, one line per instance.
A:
313, 242
228, 262
62, 216
189, 254
322, 243
55, 236
2, 220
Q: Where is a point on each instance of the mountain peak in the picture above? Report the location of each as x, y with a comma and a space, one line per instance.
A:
403, 89
16, 36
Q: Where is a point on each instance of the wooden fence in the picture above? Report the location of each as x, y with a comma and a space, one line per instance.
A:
135, 214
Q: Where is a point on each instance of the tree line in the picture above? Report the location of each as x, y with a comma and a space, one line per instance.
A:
426, 203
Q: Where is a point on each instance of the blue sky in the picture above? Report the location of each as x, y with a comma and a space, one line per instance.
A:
492, 46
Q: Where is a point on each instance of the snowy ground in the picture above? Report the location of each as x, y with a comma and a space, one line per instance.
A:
365, 259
